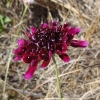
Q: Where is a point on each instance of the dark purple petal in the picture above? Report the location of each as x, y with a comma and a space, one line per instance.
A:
64, 57
46, 62
66, 28
27, 58
66, 25
54, 23
31, 69
59, 46
78, 43
44, 54
64, 47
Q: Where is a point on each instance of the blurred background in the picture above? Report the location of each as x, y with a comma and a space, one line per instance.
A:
79, 78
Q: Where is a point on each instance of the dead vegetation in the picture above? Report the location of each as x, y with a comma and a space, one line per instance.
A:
80, 78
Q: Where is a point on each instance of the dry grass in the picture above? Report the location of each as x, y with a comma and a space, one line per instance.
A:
80, 78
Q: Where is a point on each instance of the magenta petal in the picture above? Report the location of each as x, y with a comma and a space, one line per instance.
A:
21, 42
44, 25
78, 30
64, 47
16, 51
77, 43
72, 32
58, 52
33, 30
31, 69
17, 58
64, 57
50, 54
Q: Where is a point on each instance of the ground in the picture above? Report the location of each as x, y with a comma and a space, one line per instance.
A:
79, 78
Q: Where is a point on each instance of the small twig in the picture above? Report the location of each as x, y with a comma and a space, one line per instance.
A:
97, 81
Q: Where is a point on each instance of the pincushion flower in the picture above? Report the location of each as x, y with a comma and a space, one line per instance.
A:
42, 43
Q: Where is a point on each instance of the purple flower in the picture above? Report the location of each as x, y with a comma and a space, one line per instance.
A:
42, 43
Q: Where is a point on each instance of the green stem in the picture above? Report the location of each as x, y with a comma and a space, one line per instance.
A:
8, 63
25, 9
7, 3
58, 81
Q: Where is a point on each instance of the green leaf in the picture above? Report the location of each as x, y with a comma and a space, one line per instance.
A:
6, 19
1, 29
1, 20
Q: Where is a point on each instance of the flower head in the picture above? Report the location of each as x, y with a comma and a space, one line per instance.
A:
42, 43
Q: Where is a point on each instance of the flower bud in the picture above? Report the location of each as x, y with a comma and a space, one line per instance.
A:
28, 2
